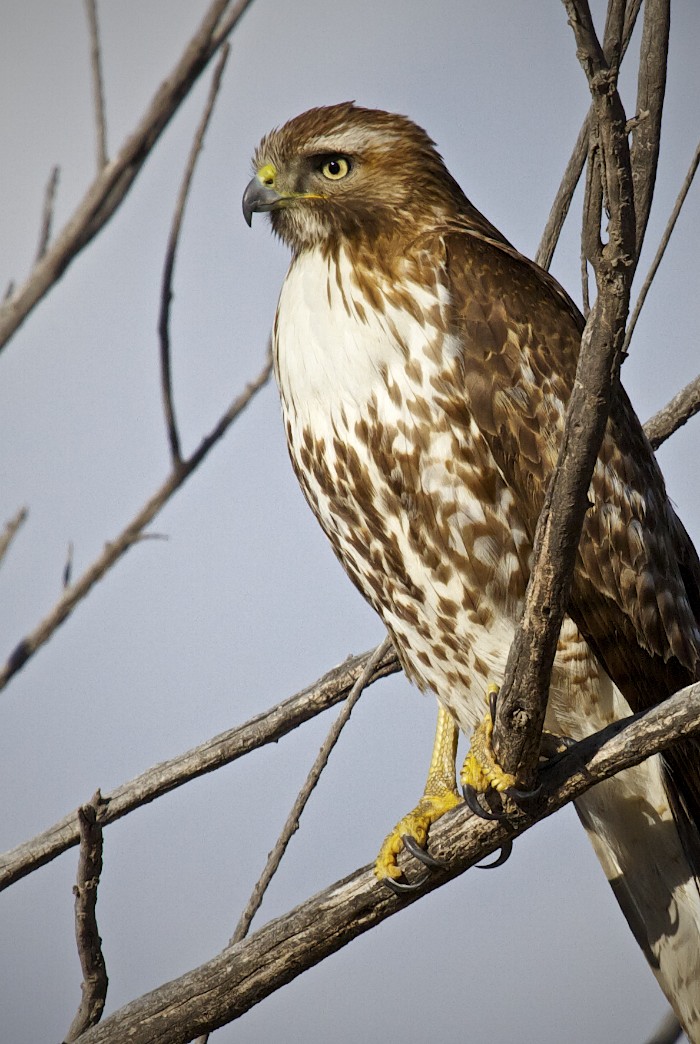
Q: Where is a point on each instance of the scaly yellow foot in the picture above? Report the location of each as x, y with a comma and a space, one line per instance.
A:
481, 770
440, 795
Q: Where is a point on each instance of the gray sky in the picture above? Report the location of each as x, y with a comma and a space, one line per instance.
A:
244, 603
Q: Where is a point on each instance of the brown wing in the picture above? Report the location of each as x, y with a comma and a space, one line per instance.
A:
636, 591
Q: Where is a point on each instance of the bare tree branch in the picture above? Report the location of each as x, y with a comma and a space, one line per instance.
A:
222, 989
46, 216
10, 531
97, 85
267, 727
166, 292
651, 88
111, 185
661, 249
574, 168
292, 822
674, 414
133, 532
92, 962
522, 706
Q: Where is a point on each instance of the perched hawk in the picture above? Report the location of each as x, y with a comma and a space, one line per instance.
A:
424, 367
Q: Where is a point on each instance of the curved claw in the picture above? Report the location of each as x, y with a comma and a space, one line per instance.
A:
493, 702
524, 799
421, 854
500, 859
472, 802
404, 887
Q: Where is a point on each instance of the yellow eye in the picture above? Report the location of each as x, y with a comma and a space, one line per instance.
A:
336, 168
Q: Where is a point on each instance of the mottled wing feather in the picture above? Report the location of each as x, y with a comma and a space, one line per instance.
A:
638, 574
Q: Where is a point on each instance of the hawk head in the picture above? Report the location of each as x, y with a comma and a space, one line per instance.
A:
343, 172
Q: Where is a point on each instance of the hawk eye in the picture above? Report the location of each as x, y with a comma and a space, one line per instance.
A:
335, 168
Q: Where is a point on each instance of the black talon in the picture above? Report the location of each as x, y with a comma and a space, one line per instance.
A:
421, 854
493, 701
404, 887
524, 799
472, 802
502, 857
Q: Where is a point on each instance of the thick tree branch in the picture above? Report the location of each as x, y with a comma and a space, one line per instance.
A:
134, 532
111, 185
651, 88
221, 990
265, 728
523, 702
92, 962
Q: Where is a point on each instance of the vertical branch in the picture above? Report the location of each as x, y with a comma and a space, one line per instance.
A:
97, 85
94, 985
166, 292
651, 87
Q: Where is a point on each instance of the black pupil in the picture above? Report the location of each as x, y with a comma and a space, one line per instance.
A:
334, 166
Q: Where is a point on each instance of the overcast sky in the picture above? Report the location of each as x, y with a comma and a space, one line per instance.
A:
244, 603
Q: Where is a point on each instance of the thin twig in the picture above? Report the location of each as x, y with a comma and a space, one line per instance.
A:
264, 728
87, 936
292, 822
10, 531
112, 184
166, 291
133, 532
46, 216
574, 168
661, 249
97, 85
225, 987
68, 567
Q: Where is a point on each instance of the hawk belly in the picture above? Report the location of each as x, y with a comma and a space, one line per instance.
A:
423, 522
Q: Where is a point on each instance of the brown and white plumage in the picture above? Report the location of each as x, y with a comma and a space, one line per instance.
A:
424, 367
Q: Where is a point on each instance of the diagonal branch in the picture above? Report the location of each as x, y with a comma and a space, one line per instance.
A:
129, 536
225, 987
112, 184
292, 822
264, 728
674, 414
661, 249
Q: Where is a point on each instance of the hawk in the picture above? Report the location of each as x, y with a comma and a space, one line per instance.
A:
424, 368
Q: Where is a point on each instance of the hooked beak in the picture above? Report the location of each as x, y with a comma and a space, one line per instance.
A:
258, 197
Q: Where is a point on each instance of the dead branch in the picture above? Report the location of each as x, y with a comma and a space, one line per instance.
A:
92, 962
166, 292
674, 414
46, 215
97, 85
223, 988
523, 701
264, 728
292, 822
574, 168
112, 184
10, 530
132, 534
661, 249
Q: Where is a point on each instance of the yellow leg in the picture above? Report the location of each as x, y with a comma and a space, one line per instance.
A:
480, 769
439, 796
